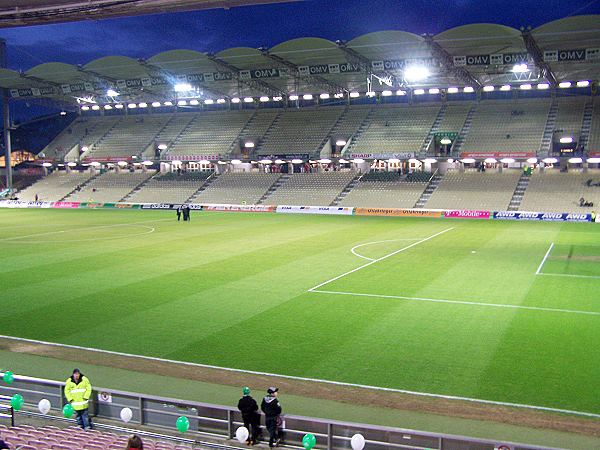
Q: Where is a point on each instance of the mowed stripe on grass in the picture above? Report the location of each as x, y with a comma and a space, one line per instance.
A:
230, 290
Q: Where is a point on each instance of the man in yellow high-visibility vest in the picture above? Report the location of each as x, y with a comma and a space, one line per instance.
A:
78, 391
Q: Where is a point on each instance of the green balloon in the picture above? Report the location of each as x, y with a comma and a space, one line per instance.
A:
68, 410
17, 401
8, 377
309, 441
183, 424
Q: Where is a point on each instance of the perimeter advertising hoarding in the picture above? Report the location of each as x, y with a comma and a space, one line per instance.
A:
22, 204
171, 206
336, 210
239, 208
483, 155
467, 214
66, 205
396, 212
546, 217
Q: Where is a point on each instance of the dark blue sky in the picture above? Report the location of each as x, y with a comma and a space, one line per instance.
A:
268, 25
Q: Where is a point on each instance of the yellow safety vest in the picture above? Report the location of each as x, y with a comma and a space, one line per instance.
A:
78, 394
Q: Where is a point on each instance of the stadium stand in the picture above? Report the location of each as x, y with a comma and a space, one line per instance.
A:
55, 186
510, 126
570, 115
237, 188
594, 138
173, 128
109, 187
210, 133
475, 190
258, 125
318, 189
396, 129
27, 437
84, 132
301, 131
554, 191
130, 136
455, 116
384, 190
169, 188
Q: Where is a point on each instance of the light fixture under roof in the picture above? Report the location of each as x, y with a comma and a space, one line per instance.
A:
249, 144
162, 146
430, 160
181, 103
550, 160
132, 106
293, 97
339, 95
419, 91
575, 160
507, 160
324, 96
220, 101
112, 93
147, 163
488, 88
208, 101
400, 92
277, 98
566, 140
95, 107
108, 107
564, 84
505, 87
386, 93
236, 161
532, 160
468, 160
266, 161
583, 83
445, 141
434, 91
354, 94
168, 103
195, 102
358, 160
452, 90
142, 105
325, 161
371, 94
525, 87
235, 100
340, 142
543, 86
307, 97
468, 89
297, 161
264, 99
248, 99
156, 104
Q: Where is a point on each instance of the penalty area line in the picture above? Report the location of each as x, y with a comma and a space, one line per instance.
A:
315, 380
539, 269
462, 302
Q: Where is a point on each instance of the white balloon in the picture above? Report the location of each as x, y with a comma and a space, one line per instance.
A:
241, 434
357, 442
126, 414
44, 406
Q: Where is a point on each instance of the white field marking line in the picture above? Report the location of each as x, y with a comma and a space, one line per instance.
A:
316, 380
537, 272
463, 302
379, 259
83, 228
377, 242
569, 275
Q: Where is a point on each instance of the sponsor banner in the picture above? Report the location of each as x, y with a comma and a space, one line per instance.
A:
577, 54
402, 155
546, 217
336, 210
324, 69
396, 212
400, 64
108, 159
167, 206
256, 74
239, 208
127, 205
191, 157
483, 155
495, 59
594, 155
23, 204
65, 204
466, 214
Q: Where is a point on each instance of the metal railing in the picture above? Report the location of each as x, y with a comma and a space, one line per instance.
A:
217, 421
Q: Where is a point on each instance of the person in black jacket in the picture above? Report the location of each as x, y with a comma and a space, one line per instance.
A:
272, 409
251, 416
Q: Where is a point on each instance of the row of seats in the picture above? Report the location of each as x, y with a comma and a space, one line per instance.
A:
237, 188
109, 187
55, 186
169, 189
27, 437
594, 139
379, 192
311, 189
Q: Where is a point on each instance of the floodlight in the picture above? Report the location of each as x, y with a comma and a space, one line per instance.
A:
386, 93
264, 99
236, 161
583, 83
354, 95
564, 84
488, 88
532, 160
235, 100
505, 87
434, 91
156, 104
468, 160
520, 68
248, 99
181, 103
132, 106
95, 107
249, 145
543, 86
324, 96
468, 89
507, 160
525, 87
161, 146
416, 73
340, 142
575, 160
182, 87
307, 97
195, 102
168, 103
108, 107
325, 161
112, 93
566, 140
293, 97
220, 101
142, 105
550, 160
452, 90
445, 141
419, 91
208, 101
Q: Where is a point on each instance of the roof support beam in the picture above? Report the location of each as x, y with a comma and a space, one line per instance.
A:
538, 57
316, 80
259, 85
447, 62
356, 58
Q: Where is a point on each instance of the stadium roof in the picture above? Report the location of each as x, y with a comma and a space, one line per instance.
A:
14, 13
471, 55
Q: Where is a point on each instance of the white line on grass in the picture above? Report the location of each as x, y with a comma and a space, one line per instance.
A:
537, 272
462, 302
377, 242
569, 275
379, 259
315, 380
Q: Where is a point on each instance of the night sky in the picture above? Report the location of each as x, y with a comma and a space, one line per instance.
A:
268, 25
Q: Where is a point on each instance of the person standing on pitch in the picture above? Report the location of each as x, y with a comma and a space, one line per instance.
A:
178, 213
272, 409
78, 391
251, 416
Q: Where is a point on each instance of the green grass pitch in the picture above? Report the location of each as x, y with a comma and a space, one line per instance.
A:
439, 306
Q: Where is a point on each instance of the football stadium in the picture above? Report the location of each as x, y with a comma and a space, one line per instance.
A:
396, 235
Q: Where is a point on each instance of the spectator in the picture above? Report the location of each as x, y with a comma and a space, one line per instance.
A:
78, 391
249, 409
3, 444
134, 443
178, 213
272, 409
